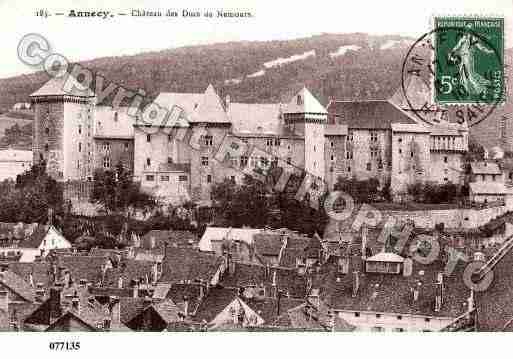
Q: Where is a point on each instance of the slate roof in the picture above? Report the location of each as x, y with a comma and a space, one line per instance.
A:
179, 293
83, 267
129, 270
188, 264
267, 308
267, 244
391, 293
15, 283
495, 305
379, 114
485, 168
170, 237
40, 272
260, 119
217, 299
55, 87
307, 104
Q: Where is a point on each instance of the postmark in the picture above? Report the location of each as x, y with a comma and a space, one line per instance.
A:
431, 62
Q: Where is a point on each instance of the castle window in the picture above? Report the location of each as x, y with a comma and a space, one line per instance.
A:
349, 169
150, 178
373, 136
148, 138
315, 148
204, 161
332, 144
80, 147
289, 160
208, 140
47, 131
277, 142
232, 178
46, 147
78, 164
182, 178
445, 159
493, 177
164, 178
288, 147
269, 142
411, 154
369, 166
331, 168
106, 146
126, 145
209, 179
400, 140
243, 161
148, 162
332, 158
400, 151
79, 129
106, 162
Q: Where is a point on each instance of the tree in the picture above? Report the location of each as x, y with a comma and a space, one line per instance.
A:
117, 192
31, 197
476, 151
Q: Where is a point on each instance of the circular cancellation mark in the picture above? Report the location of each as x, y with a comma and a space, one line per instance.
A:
421, 64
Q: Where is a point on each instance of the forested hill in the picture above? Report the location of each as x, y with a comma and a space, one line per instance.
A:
338, 66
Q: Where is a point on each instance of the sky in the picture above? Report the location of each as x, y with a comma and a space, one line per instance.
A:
88, 38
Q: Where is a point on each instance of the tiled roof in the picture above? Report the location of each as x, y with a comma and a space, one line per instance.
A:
267, 308
187, 264
367, 114
487, 188
167, 310
179, 293
485, 168
55, 87
15, 283
131, 307
161, 290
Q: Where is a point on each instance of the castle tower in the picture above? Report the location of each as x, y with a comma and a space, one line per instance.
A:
305, 116
63, 128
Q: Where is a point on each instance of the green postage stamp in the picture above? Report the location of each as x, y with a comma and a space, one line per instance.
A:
469, 60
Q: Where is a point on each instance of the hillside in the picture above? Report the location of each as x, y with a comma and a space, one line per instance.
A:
341, 66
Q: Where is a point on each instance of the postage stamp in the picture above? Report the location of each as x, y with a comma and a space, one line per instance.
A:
469, 60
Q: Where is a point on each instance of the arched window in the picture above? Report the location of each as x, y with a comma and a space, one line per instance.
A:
299, 100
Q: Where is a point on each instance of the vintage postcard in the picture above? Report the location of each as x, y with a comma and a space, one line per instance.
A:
254, 167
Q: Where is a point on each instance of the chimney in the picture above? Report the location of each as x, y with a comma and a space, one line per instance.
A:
120, 282
115, 309
365, 232
227, 103
186, 305
31, 280
50, 216
4, 301
231, 264
135, 290
202, 290
470, 301
55, 304
356, 283
75, 303
67, 279
155, 270
407, 267
416, 291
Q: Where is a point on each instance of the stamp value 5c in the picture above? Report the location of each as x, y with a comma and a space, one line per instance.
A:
469, 60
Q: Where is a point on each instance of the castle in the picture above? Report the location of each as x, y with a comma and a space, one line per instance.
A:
362, 139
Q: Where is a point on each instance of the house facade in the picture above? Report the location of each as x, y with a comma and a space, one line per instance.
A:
178, 158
